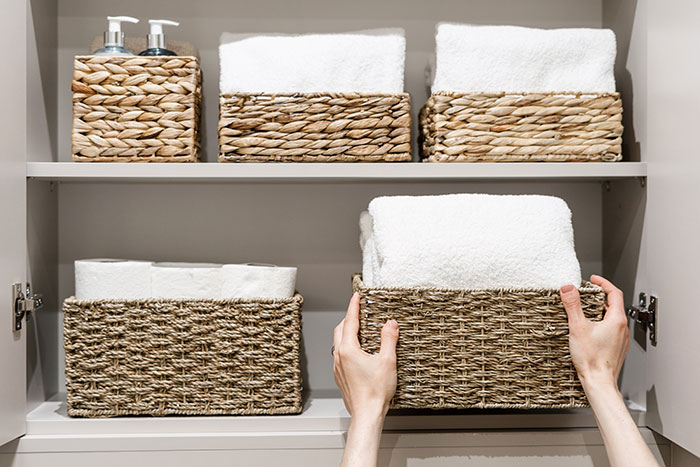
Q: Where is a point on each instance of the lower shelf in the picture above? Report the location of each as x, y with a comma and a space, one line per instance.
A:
319, 415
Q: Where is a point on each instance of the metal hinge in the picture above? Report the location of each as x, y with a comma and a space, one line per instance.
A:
23, 304
645, 314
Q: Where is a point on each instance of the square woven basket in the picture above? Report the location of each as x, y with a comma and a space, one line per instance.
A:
529, 127
136, 109
458, 349
314, 128
187, 357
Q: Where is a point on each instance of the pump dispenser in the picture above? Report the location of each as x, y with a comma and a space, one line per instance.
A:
156, 39
114, 37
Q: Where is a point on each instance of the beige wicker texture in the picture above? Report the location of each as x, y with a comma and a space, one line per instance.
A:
314, 128
478, 348
188, 357
136, 109
499, 127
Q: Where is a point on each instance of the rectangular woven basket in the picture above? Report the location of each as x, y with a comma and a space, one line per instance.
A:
188, 357
500, 348
136, 109
508, 127
314, 128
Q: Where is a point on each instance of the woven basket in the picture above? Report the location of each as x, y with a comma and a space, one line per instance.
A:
500, 127
136, 109
461, 349
314, 128
188, 357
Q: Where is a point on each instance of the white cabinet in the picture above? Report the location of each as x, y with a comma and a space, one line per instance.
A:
635, 222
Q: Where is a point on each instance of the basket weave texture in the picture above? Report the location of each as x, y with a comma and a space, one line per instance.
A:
188, 357
500, 348
136, 109
314, 128
500, 127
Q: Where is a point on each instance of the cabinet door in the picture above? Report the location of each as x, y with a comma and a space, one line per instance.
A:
673, 218
13, 214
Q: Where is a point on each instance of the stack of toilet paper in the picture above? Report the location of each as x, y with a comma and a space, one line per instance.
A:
369, 61
104, 279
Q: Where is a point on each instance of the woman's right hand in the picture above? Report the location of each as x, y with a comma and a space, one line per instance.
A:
597, 348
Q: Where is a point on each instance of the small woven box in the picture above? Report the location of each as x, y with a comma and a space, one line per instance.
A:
136, 109
188, 357
314, 128
507, 127
504, 348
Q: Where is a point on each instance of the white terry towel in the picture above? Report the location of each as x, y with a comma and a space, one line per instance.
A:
469, 241
473, 58
186, 280
257, 281
369, 61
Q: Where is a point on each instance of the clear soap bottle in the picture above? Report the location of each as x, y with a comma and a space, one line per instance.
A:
114, 38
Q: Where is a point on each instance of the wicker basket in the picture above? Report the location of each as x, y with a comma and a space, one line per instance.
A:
136, 109
478, 348
189, 357
314, 128
499, 127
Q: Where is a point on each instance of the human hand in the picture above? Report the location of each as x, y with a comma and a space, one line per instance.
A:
367, 382
597, 349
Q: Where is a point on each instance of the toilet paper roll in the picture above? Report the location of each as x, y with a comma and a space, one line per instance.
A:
103, 278
186, 280
257, 281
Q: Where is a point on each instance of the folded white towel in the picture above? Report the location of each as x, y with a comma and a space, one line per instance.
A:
516, 59
186, 280
469, 241
257, 281
365, 61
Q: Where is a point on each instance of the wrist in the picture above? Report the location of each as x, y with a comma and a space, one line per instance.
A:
369, 416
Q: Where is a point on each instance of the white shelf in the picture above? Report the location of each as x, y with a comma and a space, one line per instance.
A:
331, 172
319, 415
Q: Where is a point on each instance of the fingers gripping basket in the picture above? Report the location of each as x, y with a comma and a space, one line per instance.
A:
136, 109
314, 128
503, 348
190, 357
500, 127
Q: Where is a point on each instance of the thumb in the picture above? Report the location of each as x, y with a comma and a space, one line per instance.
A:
572, 304
390, 335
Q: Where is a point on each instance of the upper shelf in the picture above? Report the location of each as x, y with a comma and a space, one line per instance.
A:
331, 172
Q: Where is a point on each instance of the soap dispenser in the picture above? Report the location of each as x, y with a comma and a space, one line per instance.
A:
156, 39
114, 37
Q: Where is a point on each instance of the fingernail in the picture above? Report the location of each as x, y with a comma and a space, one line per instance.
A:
566, 288
393, 324
356, 295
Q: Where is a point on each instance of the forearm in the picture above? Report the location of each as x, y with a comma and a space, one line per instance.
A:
623, 441
362, 445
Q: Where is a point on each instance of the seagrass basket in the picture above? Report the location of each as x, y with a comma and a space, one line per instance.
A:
314, 128
493, 348
508, 127
136, 109
188, 357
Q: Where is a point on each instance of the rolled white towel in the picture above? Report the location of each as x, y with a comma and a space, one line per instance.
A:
105, 279
473, 58
258, 281
470, 241
369, 61
186, 280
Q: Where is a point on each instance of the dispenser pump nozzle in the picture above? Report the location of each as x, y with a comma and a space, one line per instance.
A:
114, 35
156, 38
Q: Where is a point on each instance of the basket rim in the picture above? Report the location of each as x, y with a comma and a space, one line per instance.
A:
297, 298
132, 57
315, 94
586, 287
584, 94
